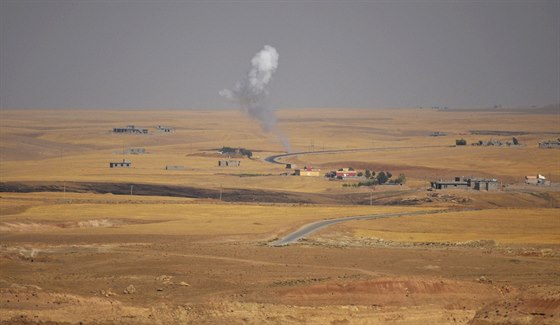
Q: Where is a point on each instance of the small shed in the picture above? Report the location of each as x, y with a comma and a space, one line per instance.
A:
229, 163
164, 129
135, 151
124, 163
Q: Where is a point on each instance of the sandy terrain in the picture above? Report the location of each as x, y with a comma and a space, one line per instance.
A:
190, 246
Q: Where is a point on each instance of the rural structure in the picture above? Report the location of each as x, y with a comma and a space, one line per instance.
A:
174, 167
164, 129
550, 144
134, 151
229, 163
497, 143
130, 129
346, 172
308, 171
537, 180
480, 184
124, 163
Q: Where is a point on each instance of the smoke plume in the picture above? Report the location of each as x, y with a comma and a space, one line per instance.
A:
251, 92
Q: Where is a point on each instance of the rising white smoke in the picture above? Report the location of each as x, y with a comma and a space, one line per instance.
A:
251, 92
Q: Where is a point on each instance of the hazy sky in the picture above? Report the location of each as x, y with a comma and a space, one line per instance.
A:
180, 54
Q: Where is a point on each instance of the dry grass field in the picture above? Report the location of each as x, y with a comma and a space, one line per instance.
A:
190, 246
505, 226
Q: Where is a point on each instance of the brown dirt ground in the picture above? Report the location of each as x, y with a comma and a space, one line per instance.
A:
77, 278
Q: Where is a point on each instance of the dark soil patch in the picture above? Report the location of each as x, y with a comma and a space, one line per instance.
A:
227, 194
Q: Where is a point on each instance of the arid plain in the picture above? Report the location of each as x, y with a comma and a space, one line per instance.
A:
84, 243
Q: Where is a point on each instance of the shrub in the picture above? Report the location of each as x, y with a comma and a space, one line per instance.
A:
382, 178
400, 180
232, 151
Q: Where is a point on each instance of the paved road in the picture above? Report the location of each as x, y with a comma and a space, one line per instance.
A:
273, 159
313, 227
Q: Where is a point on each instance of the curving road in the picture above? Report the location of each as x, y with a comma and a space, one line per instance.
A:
273, 159
313, 227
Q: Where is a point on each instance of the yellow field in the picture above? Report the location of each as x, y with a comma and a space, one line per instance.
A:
507, 226
161, 216
76, 145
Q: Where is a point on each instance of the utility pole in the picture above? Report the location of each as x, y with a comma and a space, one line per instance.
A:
371, 196
131, 187
220, 192
64, 181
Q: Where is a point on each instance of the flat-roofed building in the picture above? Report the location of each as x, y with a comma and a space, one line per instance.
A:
124, 163
308, 171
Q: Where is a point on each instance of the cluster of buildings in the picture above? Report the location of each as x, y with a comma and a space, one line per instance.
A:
127, 164
345, 173
131, 129
123, 163
341, 173
480, 184
546, 144
549, 144
498, 143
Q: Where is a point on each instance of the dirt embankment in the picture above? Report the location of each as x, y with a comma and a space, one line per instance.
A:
384, 195
225, 194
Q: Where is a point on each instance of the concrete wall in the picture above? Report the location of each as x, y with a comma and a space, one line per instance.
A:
174, 167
